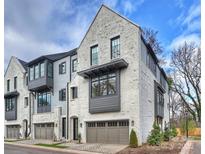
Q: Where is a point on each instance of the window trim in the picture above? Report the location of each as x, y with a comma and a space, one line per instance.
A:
91, 62
114, 38
60, 68
73, 60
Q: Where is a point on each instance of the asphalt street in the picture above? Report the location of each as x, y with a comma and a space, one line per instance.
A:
13, 149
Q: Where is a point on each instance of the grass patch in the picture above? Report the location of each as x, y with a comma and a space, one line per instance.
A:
195, 137
52, 145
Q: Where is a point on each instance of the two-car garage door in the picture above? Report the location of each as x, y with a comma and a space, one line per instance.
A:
113, 132
44, 131
13, 131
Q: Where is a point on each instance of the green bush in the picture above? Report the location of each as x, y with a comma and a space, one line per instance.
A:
173, 132
133, 139
156, 136
79, 138
166, 134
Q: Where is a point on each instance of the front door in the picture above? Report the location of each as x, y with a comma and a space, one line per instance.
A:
63, 127
75, 128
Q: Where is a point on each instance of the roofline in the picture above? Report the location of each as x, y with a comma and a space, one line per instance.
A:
114, 13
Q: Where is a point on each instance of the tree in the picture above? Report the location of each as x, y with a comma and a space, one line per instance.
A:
186, 74
155, 137
150, 36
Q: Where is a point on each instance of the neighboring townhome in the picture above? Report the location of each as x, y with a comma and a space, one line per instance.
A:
16, 96
49, 76
121, 86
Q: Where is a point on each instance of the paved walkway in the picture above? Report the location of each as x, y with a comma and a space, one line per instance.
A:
191, 147
96, 147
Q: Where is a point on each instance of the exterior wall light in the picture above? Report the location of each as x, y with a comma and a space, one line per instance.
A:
132, 123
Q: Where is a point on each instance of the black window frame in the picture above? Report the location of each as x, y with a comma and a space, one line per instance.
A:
91, 55
98, 79
62, 94
25, 102
38, 69
8, 104
8, 85
111, 47
74, 68
50, 74
42, 94
40, 75
61, 68
15, 82
74, 92
31, 75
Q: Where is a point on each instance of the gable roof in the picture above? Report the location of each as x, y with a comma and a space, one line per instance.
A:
54, 57
104, 6
23, 63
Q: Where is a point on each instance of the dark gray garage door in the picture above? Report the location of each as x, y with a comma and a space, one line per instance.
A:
114, 132
44, 131
13, 131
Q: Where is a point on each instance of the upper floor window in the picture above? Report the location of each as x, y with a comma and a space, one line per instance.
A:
151, 64
36, 68
104, 85
94, 55
10, 104
27, 80
42, 69
160, 103
31, 75
8, 85
74, 92
115, 47
50, 70
62, 95
74, 65
15, 82
25, 101
62, 68
44, 99
162, 81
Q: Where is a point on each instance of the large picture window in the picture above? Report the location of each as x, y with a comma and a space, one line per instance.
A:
104, 85
10, 104
44, 99
94, 55
115, 47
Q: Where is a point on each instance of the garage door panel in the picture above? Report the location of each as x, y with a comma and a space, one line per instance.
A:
13, 131
114, 132
44, 131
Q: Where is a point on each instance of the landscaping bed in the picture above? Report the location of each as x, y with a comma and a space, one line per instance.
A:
172, 147
56, 145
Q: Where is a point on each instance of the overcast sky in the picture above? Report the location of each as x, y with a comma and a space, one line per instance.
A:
37, 27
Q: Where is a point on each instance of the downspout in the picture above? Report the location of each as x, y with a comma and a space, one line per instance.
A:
67, 112
29, 114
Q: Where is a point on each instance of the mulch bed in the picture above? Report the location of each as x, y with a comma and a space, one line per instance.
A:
172, 147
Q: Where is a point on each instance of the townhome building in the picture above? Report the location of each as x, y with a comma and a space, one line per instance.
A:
16, 96
112, 83
48, 80
121, 85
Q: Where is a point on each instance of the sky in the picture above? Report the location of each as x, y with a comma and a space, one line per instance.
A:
39, 27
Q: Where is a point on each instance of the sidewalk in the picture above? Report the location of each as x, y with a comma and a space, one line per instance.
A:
51, 149
191, 147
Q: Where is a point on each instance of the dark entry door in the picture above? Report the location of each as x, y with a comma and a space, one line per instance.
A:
75, 128
63, 127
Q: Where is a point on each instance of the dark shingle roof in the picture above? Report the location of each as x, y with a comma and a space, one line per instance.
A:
23, 63
53, 57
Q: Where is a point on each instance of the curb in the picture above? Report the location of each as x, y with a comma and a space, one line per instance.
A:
51, 149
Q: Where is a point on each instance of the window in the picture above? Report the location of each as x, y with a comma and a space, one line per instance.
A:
74, 91
36, 69
31, 70
104, 85
42, 69
151, 64
62, 68
25, 101
160, 103
8, 85
62, 95
44, 99
15, 82
10, 104
94, 55
74, 65
115, 47
26, 80
50, 70
162, 81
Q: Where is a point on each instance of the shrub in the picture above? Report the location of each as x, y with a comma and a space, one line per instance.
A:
79, 138
166, 134
173, 132
156, 136
133, 139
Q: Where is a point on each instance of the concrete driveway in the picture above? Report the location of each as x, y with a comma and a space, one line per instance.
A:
96, 147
